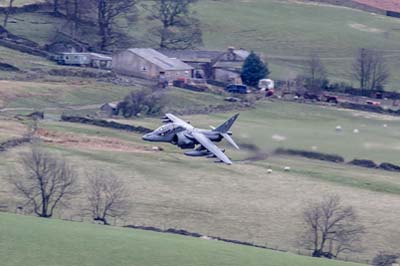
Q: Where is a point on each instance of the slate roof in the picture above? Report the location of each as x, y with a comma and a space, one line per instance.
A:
92, 55
191, 55
200, 55
229, 65
242, 53
160, 59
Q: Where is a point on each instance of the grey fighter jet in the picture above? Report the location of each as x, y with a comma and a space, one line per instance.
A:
185, 136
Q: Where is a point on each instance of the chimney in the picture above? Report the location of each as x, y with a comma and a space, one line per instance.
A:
231, 54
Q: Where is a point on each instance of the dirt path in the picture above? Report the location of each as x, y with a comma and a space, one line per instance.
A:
87, 142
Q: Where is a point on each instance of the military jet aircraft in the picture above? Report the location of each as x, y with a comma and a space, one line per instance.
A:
185, 136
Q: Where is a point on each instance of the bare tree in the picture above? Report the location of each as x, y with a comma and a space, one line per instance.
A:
107, 13
179, 28
331, 228
72, 11
107, 197
315, 74
370, 69
7, 13
56, 6
47, 182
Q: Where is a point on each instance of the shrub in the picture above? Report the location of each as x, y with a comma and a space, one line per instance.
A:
364, 163
383, 259
142, 102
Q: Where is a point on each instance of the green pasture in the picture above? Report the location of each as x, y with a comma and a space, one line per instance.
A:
34, 241
169, 189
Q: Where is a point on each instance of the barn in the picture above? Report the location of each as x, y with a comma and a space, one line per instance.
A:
150, 64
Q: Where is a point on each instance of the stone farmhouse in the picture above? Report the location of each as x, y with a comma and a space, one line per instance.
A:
216, 65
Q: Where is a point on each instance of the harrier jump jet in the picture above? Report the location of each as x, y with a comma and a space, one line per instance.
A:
185, 136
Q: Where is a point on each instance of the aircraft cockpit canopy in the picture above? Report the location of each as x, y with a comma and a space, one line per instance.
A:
165, 129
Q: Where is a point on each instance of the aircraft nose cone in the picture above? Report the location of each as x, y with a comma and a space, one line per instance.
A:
145, 137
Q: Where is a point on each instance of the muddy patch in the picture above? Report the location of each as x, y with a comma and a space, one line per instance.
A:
86, 142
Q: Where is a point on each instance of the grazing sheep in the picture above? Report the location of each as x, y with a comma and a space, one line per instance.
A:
269, 171
356, 131
287, 168
338, 128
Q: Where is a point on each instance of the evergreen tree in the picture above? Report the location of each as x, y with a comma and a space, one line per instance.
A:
253, 70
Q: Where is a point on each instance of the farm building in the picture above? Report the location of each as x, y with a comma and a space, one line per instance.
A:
200, 60
85, 59
150, 64
110, 109
101, 61
220, 66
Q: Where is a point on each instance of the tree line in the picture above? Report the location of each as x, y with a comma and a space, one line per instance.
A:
369, 69
175, 24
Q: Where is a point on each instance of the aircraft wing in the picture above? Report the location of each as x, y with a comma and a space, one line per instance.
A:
211, 147
178, 121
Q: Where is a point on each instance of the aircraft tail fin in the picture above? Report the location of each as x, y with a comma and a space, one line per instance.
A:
224, 130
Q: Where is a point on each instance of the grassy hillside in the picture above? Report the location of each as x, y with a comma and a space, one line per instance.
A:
285, 32
34, 241
171, 190
288, 31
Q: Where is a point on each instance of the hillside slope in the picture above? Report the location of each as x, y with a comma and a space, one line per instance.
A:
286, 32
34, 241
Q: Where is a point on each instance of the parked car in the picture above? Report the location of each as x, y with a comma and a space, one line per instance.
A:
232, 88
329, 98
376, 103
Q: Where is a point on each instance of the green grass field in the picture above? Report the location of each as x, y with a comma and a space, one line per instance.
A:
34, 241
171, 190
